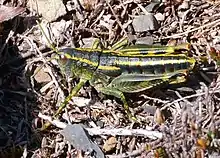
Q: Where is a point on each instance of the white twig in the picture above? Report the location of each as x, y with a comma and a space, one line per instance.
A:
57, 123
125, 132
10, 35
120, 131
190, 96
143, 9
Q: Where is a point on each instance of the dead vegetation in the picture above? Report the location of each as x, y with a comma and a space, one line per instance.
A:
177, 121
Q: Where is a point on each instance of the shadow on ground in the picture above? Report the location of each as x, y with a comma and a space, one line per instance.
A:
15, 100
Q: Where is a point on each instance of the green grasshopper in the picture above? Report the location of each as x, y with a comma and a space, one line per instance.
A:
122, 69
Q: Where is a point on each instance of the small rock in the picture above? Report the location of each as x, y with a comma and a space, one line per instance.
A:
110, 144
88, 42
80, 139
42, 76
160, 17
145, 23
49, 9
150, 109
148, 40
100, 124
184, 5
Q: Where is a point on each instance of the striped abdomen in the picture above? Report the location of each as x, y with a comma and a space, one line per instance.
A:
114, 65
85, 61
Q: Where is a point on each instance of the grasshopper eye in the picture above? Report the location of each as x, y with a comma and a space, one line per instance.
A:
62, 59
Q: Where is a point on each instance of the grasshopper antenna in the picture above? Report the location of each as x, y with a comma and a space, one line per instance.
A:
50, 45
44, 34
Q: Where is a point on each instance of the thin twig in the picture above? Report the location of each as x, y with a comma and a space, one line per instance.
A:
192, 30
118, 21
120, 131
143, 9
10, 35
155, 99
188, 97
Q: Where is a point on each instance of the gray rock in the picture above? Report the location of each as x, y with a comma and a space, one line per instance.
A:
148, 40
88, 42
145, 23
80, 139
160, 17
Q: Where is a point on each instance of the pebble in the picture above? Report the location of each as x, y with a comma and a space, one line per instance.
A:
145, 23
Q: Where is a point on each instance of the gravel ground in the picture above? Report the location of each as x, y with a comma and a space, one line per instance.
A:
180, 120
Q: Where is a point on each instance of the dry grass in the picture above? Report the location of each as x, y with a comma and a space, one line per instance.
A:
183, 119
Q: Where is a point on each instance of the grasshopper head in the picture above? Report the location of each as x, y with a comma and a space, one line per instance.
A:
63, 60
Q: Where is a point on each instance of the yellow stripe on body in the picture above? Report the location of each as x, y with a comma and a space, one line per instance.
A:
148, 50
152, 63
111, 68
89, 62
134, 50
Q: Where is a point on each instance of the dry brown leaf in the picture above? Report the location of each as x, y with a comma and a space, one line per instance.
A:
88, 5
199, 153
7, 13
202, 143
